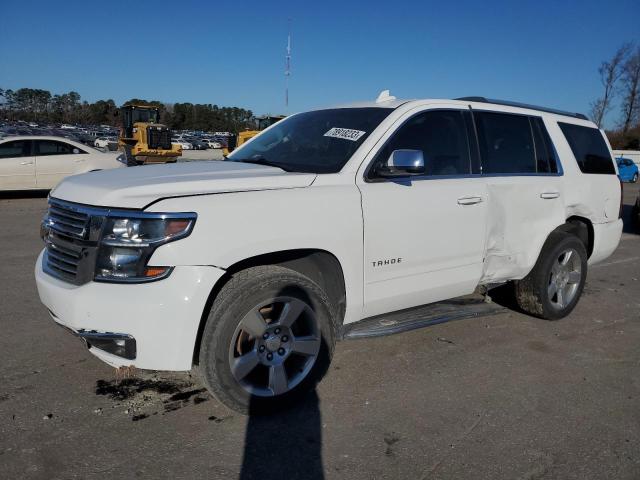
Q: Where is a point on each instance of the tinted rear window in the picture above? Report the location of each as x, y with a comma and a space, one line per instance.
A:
589, 148
506, 143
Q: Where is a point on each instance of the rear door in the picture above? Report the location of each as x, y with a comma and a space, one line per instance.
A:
524, 185
55, 160
17, 165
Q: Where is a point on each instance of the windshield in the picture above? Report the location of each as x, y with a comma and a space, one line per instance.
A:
145, 116
313, 142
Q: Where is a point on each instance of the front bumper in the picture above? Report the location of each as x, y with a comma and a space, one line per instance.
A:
161, 317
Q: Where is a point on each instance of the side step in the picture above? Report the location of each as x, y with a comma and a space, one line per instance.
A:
469, 306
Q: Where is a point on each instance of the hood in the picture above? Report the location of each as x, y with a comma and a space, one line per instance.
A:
136, 187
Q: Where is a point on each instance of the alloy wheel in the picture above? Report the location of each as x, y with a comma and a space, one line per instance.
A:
564, 279
274, 346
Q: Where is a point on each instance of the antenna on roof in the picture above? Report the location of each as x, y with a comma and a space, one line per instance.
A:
287, 66
385, 97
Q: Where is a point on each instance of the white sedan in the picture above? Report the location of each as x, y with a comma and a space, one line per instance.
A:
183, 143
103, 142
41, 162
212, 143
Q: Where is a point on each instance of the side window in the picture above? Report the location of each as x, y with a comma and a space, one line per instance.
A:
54, 147
441, 135
545, 155
17, 148
506, 143
589, 148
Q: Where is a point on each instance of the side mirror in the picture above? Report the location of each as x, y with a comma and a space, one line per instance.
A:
402, 163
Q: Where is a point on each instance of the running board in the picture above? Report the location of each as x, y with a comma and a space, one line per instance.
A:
470, 306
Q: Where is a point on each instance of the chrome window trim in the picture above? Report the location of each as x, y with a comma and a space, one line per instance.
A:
475, 140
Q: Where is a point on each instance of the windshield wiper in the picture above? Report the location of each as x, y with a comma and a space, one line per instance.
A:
258, 160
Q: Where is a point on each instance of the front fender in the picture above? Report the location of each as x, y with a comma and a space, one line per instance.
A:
232, 227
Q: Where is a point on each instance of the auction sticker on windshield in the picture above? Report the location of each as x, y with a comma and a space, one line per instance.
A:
346, 133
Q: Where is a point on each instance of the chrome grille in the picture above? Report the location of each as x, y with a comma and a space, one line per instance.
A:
62, 260
67, 220
70, 232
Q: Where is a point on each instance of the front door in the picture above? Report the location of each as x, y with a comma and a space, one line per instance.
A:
424, 237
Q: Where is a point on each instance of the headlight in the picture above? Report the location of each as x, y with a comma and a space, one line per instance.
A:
127, 243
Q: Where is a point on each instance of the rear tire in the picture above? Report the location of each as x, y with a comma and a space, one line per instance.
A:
552, 289
269, 339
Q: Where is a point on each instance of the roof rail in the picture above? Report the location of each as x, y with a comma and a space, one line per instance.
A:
523, 105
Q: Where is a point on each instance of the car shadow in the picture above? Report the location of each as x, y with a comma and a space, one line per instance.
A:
284, 440
19, 194
285, 445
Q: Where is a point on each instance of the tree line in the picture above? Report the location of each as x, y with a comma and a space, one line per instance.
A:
619, 75
36, 105
620, 78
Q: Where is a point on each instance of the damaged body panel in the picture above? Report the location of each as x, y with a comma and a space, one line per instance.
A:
520, 221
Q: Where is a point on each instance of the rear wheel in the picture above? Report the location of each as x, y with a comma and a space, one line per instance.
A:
268, 339
552, 289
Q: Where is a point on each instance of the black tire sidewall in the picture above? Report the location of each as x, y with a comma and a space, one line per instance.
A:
544, 271
224, 318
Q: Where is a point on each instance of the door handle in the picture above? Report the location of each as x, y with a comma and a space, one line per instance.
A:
469, 200
549, 195
26, 163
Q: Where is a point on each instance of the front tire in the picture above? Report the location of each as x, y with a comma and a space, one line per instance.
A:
552, 289
269, 339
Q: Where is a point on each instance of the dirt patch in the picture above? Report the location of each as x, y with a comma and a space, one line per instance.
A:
132, 387
142, 398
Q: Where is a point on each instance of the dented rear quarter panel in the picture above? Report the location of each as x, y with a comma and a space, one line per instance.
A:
518, 224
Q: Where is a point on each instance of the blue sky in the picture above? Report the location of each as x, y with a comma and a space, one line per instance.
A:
232, 53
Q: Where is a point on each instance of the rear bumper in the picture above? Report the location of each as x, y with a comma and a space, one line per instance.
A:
155, 323
606, 237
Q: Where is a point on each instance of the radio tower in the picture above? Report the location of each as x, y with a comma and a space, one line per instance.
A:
287, 68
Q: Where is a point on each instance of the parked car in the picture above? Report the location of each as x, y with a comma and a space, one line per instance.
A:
627, 170
251, 268
183, 143
41, 162
212, 143
103, 142
197, 143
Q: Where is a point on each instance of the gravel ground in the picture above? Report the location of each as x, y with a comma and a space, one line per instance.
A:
500, 397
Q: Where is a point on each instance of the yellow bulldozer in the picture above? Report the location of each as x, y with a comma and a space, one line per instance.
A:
143, 139
261, 123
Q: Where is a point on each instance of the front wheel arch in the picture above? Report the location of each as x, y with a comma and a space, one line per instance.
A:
320, 266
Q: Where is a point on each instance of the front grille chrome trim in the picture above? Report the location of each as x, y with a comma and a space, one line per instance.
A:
71, 233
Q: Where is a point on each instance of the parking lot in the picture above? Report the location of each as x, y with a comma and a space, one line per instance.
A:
503, 397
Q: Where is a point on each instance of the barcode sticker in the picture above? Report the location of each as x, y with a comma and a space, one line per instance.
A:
346, 133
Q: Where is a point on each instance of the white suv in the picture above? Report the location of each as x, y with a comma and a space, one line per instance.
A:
250, 268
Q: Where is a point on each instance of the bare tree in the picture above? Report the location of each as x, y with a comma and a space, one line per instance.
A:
631, 90
610, 73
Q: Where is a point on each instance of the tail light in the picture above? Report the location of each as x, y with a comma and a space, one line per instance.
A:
621, 196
